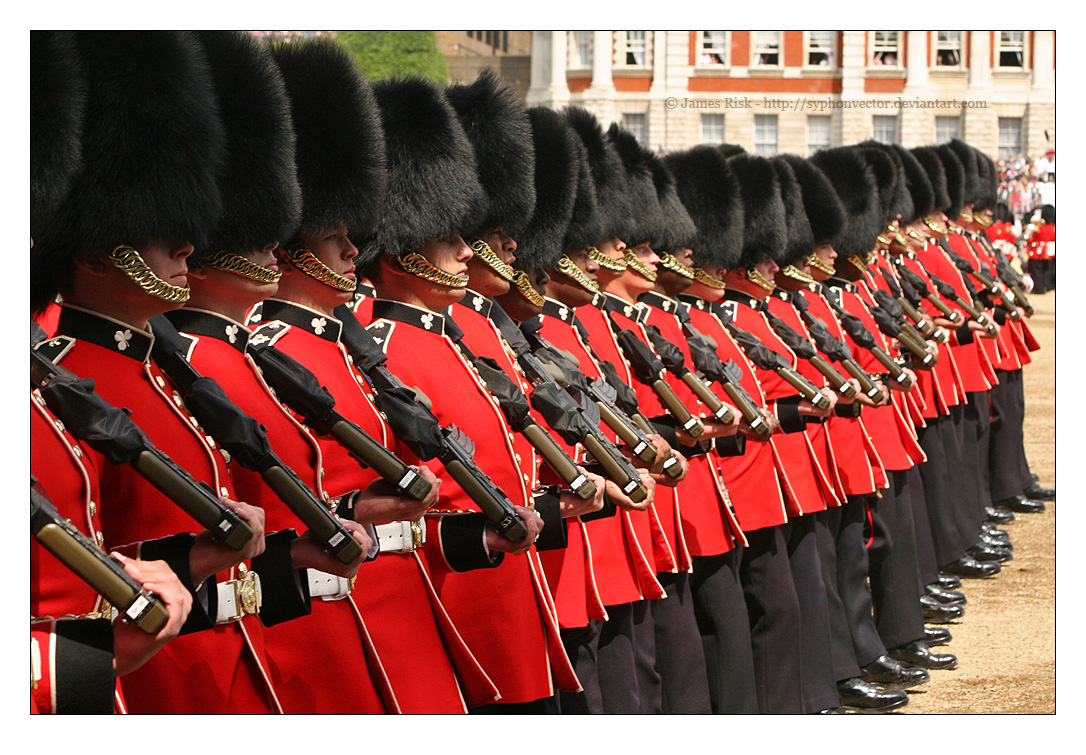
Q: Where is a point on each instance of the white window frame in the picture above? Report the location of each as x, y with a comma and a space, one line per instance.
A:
1011, 47
812, 148
760, 143
623, 48
1005, 149
885, 47
573, 50
701, 51
711, 122
954, 46
809, 48
641, 131
757, 46
877, 120
944, 136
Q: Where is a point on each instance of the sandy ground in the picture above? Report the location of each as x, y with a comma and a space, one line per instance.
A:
1006, 641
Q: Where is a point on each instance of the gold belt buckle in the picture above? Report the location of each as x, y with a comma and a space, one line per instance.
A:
245, 592
417, 535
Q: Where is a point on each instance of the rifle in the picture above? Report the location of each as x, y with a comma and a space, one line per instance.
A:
767, 359
891, 321
105, 575
1010, 278
925, 328
247, 442
835, 348
976, 315
865, 339
921, 287
111, 432
803, 349
674, 362
995, 288
416, 427
910, 295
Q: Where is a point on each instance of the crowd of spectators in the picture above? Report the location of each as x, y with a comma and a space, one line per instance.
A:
1019, 183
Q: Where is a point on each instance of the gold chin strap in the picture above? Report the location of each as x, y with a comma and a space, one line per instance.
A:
635, 264
760, 280
128, 260
235, 263
672, 263
818, 264
601, 259
859, 264
913, 234
416, 264
567, 267
307, 262
795, 273
486, 254
969, 217
524, 287
900, 239
703, 277
983, 220
930, 223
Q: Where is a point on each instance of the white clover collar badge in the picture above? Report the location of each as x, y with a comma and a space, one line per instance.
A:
477, 302
318, 324
122, 337
232, 333
427, 320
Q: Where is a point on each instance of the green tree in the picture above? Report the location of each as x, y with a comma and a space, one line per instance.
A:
382, 54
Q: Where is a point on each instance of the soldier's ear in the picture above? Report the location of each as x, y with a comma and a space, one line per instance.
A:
93, 264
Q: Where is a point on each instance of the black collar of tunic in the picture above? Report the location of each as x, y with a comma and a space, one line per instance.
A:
477, 303
730, 294
101, 330
398, 311
204, 323
556, 309
303, 317
659, 301
612, 303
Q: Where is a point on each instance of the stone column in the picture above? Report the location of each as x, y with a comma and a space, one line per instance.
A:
548, 72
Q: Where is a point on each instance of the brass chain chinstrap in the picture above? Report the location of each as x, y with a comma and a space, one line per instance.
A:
930, 223
129, 261
818, 264
524, 287
760, 280
858, 262
483, 251
416, 264
307, 262
795, 273
672, 263
704, 278
235, 263
636, 265
566, 266
601, 259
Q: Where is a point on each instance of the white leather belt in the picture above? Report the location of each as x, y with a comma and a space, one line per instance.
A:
238, 597
328, 586
400, 537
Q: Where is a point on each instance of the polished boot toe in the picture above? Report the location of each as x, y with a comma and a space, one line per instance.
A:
934, 636
1037, 493
1020, 505
987, 554
948, 597
948, 582
940, 613
998, 516
890, 674
918, 654
970, 568
864, 697
993, 541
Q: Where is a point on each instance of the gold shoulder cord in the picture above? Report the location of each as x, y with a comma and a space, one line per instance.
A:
306, 261
567, 267
795, 273
127, 259
635, 264
483, 251
416, 264
820, 265
703, 277
524, 286
758, 279
672, 263
235, 263
601, 259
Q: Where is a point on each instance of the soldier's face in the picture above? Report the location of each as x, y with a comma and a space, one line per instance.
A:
451, 254
167, 260
565, 289
647, 257
828, 256
615, 249
484, 278
334, 250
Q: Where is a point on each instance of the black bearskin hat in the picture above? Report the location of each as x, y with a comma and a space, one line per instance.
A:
854, 180
710, 192
888, 177
433, 181
731, 150
57, 96
608, 177
152, 148
496, 124
676, 230
559, 162
918, 184
825, 213
765, 233
900, 200
642, 222
262, 201
800, 237
968, 157
955, 179
933, 168
987, 183
340, 147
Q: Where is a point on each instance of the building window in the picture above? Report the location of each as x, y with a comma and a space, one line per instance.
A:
820, 48
635, 123
1012, 49
885, 49
712, 129
766, 48
1010, 138
947, 127
580, 49
635, 49
884, 128
765, 135
948, 49
818, 133
713, 48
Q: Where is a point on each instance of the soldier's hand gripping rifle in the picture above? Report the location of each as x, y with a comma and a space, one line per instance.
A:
803, 349
990, 284
863, 338
767, 359
978, 316
416, 427
1011, 280
675, 363
111, 432
921, 287
909, 294
909, 303
728, 376
247, 442
835, 349
891, 321
105, 575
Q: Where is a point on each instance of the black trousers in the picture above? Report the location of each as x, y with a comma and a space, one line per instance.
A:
774, 612
895, 588
927, 566
819, 681
603, 655
1008, 470
721, 612
680, 660
975, 458
939, 439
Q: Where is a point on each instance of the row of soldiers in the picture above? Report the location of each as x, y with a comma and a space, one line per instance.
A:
395, 398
